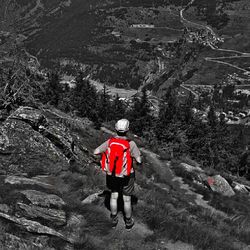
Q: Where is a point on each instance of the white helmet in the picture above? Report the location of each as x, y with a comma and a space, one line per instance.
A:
122, 125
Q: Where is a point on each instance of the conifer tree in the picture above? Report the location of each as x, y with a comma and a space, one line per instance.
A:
104, 105
140, 114
188, 114
53, 89
117, 108
84, 98
167, 112
212, 119
134, 116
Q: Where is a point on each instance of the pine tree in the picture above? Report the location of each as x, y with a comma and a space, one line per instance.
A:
134, 116
84, 98
145, 105
53, 90
140, 114
188, 114
212, 118
117, 109
167, 113
104, 105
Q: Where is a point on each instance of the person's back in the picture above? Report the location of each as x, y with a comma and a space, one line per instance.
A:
117, 161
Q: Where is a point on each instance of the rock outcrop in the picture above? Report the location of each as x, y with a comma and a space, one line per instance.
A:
47, 215
35, 150
43, 199
219, 184
17, 180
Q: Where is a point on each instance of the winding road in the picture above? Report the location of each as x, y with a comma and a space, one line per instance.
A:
211, 43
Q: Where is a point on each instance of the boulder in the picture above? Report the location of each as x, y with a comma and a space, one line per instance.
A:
33, 226
49, 215
43, 199
30, 151
5, 208
59, 137
190, 168
240, 187
32, 116
219, 184
16, 180
91, 198
36, 142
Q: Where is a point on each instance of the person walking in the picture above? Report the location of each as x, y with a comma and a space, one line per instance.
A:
118, 154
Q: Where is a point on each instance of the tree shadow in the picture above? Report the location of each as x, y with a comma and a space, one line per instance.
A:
120, 205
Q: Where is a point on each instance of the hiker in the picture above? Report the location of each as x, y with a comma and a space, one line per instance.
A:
117, 161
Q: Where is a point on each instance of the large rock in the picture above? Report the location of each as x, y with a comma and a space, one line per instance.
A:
43, 199
240, 187
17, 180
38, 142
5, 208
51, 216
28, 150
218, 184
32, 116
190, 168
91, 198
33, 226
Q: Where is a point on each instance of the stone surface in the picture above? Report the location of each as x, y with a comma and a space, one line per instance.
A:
4, 139
190, 168
5, 208
30, 151
240, 187
219, 184
33, 116
16, 243
33, 226
91, 198
74, 226
49, 215
16, 180
43, 199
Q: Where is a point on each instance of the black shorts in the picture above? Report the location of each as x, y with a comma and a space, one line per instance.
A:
123, 185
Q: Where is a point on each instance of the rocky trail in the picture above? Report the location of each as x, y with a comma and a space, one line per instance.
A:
53, 193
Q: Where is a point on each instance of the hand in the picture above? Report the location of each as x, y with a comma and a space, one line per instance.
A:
96, 158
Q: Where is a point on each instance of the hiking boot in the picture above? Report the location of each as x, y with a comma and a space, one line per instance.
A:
129, 223
114, 220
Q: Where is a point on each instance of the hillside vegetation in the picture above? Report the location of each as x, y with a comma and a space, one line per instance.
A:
192, 191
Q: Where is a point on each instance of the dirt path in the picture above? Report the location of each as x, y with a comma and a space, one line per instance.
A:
166, 180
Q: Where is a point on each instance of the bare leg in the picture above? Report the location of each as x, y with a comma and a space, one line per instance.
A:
127, 206
113, 203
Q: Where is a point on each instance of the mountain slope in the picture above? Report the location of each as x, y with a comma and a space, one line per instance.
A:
54, 196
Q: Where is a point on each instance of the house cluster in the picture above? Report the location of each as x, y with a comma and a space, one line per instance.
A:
203, 37
142, 26
229, 117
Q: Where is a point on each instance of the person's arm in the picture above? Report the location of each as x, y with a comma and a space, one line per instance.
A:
135, 152
102, 148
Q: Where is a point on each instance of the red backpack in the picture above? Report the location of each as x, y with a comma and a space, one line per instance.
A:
117, 160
